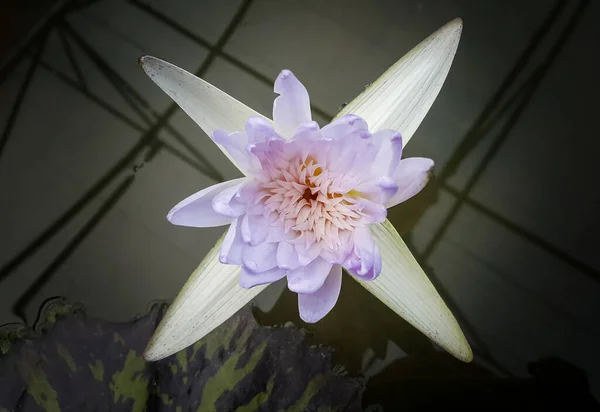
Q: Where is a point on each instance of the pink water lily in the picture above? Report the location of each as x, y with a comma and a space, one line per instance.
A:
310, 194
313, 200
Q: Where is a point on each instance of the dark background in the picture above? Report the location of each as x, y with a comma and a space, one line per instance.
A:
508, 230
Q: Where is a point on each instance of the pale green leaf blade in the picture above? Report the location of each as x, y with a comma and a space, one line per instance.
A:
208, 106
401, 97
211, 295
405, 288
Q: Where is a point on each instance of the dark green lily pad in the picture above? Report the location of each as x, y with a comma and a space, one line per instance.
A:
72, 362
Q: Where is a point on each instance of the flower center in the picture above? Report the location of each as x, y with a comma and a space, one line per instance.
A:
308, 195
311, 200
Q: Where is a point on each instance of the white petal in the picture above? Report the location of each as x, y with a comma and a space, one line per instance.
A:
403, 95
209, 107
210, 296
405, 288
197, 210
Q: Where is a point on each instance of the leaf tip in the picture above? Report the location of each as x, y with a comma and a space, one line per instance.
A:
457, 22
465, 354
454, 27
148, 63
143, 60
150, 354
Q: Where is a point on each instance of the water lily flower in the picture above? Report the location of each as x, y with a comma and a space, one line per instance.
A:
313, 200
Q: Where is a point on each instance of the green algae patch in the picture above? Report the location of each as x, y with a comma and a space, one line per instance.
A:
64, 353
227, 377
118, 338
259, 399
311, 390
165, 399
41, 391
97, 370
129, 383
182, 359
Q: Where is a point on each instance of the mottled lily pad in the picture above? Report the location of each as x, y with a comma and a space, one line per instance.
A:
72, 362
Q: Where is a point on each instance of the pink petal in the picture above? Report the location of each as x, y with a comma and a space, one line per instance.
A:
379, 191
307, 131
313, 307
255, 229
309, 278
235, 145
365, 157
389, 152
411, 176
338, 255
233, 245
197, 209
226, 202
352, 149
248, 192
292, 107
259, 130
260, 258
307, 255
277, 234
249, 279
374, 212
345, 126
287, 257
365, 260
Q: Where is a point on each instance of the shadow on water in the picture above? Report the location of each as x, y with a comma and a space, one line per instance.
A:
442, 382
426, 377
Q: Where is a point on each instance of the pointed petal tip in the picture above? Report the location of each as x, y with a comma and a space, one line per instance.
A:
171, 213
172, 218
146, 60
451, 29
457, 345
467, 354
412, 84
457, 23
284, 74
151, 352
150, 65
148, 356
